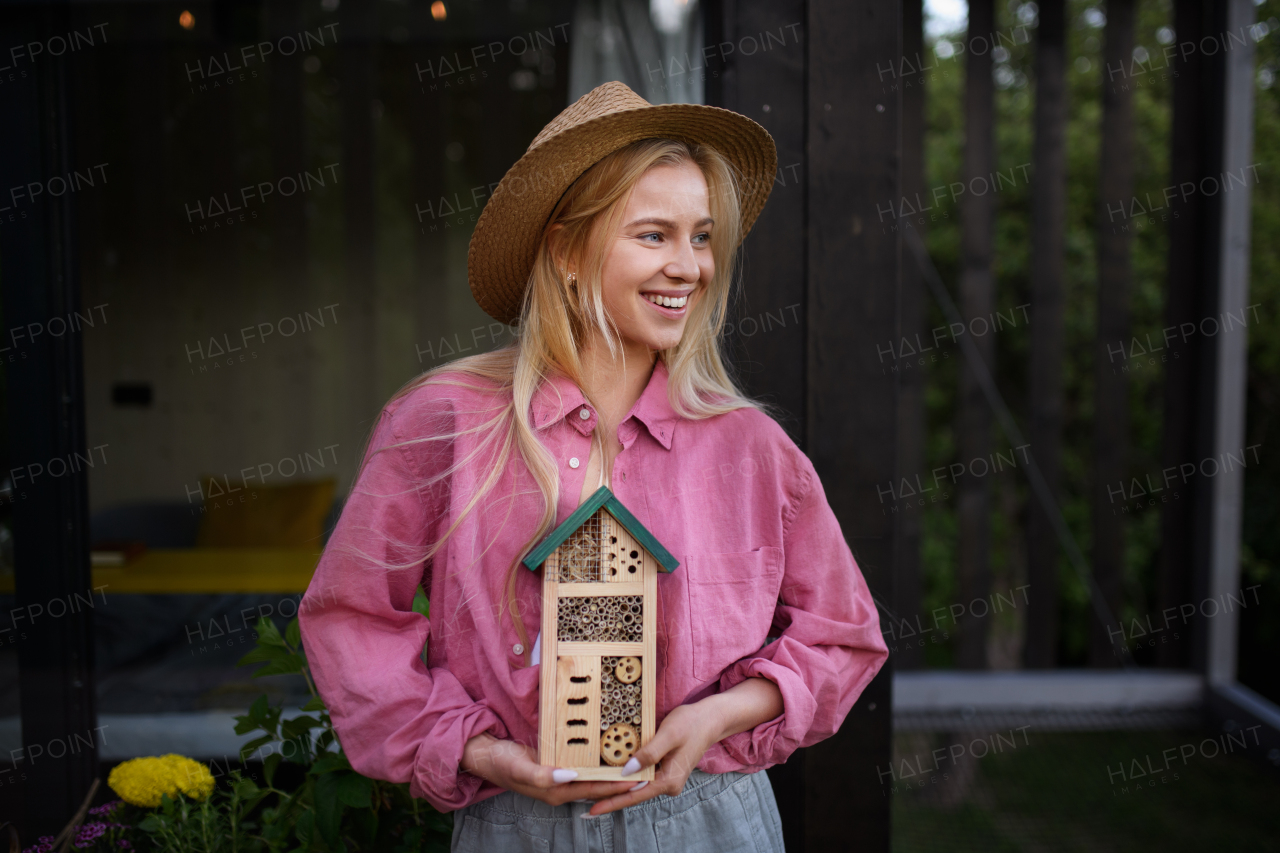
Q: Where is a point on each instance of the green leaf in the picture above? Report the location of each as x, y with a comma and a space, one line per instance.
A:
263, 654
329, 809
354, 790
421, 604
255, 744
314, 704
298, 726
305, 828
329, 762
300, 752
293, 633
269, 766
268, 633
257, 716
285, 665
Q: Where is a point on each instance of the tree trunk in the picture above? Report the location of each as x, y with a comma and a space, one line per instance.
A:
977, 299
911, 302
1049, 205
1111, 385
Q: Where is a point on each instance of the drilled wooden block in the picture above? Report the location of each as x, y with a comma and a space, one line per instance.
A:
577, 711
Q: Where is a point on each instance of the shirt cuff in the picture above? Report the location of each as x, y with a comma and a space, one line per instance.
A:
772, 741
439, 778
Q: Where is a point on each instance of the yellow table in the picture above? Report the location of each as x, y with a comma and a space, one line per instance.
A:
206, 570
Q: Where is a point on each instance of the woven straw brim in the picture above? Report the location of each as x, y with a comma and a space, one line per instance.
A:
505, 242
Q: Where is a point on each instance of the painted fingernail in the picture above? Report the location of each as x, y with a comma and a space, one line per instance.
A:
562, 776
589, 815
638, 786
630, 767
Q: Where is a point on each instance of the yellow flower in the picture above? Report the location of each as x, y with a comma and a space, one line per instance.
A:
142, 781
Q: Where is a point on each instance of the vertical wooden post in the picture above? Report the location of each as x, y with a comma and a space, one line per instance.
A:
45, 409
853, 267
1111, 379
1189, 297
1227, 434
908, 583
358, 79
819, 247
1048, 238
977, 299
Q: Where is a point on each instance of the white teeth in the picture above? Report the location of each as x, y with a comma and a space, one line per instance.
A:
667, 301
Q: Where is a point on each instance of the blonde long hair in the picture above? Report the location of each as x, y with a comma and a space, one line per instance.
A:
556, 320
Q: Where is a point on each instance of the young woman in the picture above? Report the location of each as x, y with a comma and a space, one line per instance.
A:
611, 243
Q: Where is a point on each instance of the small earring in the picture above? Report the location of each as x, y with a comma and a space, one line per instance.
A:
572, 279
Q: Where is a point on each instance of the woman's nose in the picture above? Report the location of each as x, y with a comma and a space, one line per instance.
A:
684, 265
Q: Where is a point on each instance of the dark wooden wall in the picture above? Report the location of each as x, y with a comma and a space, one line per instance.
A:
44, 406
819, 245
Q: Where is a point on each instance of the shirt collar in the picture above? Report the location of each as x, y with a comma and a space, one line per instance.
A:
557, 397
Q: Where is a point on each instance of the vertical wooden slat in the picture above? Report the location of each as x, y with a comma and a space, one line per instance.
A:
853, 266
648, 679
908, 583
834, 164
45, 410
547, 675
769, 87
1111, 377
1190, 270
977, 299
577, 721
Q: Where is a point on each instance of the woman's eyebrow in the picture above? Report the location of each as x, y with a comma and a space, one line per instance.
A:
667, 223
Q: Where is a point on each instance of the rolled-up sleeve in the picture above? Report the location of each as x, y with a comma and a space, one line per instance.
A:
830, 645
396, 719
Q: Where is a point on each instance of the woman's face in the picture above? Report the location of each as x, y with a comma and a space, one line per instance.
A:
660, 262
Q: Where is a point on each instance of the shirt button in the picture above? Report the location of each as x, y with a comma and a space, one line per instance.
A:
573, 463
584, 414
518, 649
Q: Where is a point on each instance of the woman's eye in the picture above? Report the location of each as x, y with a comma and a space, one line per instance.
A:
704, 237
651, 234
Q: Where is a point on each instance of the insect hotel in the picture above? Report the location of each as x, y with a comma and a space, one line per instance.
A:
599, 635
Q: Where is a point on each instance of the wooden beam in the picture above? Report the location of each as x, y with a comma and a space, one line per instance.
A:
836, 127
1230, 354
851, 407
45, 410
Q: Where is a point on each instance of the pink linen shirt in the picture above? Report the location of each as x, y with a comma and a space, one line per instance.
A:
731, 497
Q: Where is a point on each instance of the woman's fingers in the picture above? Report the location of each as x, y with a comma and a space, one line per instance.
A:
662, 742
633, 795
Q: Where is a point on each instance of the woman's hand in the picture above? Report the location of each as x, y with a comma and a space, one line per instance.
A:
688, 732
515, 767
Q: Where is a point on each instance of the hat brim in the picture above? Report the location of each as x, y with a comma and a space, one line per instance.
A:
504, 244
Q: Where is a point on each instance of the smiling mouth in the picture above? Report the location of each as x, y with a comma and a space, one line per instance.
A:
667, 301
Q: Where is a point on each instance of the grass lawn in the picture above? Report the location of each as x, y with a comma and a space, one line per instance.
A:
1095, 792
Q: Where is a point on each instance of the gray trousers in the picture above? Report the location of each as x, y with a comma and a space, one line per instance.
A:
715, 813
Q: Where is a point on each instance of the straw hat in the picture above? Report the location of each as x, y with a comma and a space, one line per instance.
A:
607, 118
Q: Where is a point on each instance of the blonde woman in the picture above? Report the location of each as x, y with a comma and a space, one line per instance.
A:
610, 244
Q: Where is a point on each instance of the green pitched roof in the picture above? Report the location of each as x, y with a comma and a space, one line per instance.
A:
602, 498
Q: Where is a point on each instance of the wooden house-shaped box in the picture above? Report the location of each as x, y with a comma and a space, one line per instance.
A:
599, 635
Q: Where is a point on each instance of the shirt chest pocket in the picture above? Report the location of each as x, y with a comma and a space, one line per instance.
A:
732, 597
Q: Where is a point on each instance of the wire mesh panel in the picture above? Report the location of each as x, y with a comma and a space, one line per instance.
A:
578, 557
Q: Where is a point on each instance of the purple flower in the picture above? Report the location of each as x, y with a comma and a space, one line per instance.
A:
106, 808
